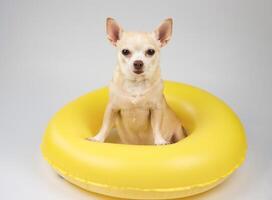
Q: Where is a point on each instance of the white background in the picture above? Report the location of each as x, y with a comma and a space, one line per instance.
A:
56, 50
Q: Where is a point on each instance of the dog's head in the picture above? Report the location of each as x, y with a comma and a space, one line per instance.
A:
138, 52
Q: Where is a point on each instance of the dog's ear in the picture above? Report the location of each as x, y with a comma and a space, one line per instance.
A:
114, 31
164, 32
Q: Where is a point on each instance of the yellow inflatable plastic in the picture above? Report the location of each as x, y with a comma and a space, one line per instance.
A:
215, 147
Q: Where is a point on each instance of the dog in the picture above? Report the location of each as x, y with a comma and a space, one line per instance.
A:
137, 107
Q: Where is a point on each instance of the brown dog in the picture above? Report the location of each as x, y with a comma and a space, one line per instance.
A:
137, 106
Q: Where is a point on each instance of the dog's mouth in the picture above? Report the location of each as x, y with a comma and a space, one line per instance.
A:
138, 71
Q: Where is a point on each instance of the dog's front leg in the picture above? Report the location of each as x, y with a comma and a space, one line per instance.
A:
156, 120
108, 122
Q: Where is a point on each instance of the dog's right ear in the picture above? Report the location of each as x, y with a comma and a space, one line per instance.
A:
114, 31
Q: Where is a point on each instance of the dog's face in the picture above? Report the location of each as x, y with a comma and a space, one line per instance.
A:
138, 52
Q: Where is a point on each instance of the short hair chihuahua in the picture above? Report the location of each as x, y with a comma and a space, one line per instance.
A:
137, 107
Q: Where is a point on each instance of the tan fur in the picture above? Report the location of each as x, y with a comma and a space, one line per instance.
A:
137, 106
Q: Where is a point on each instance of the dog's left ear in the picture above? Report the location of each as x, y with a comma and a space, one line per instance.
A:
164, 32
114, 30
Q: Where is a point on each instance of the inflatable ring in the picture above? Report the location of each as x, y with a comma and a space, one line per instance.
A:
215, 147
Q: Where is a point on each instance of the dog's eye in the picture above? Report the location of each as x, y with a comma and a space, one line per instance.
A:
150, 52
125, 52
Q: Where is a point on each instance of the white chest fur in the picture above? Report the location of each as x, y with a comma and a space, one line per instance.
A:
136, 89
141, 94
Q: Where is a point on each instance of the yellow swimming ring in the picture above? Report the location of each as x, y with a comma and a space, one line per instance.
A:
215, 147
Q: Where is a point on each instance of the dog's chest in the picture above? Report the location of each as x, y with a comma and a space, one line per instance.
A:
136, 97
135, 89
134, 106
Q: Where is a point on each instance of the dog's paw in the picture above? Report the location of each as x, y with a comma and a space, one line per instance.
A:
95, 139
161, 141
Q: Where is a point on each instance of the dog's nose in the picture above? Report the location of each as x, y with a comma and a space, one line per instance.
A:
138, 64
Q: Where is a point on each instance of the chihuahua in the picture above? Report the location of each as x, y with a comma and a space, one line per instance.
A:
137, 107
